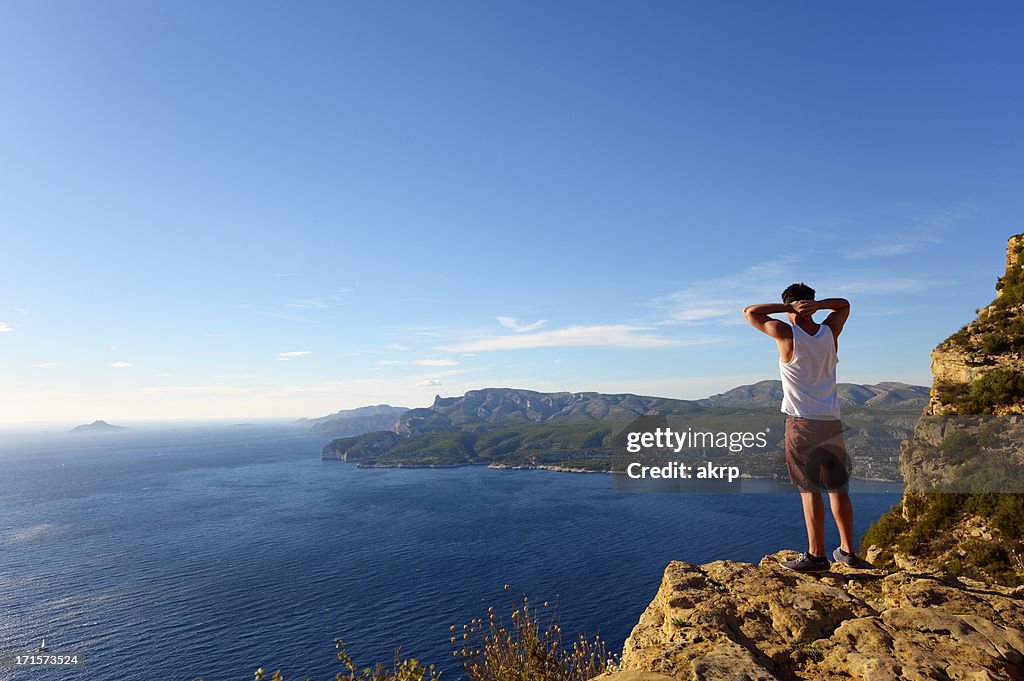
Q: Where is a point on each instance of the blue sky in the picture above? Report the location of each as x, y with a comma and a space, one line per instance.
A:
252, 209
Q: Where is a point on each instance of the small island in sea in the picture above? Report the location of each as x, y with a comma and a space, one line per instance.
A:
97, 426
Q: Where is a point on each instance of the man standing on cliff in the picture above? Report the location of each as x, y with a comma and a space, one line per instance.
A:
815, 449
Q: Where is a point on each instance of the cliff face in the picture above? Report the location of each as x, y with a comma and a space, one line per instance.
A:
993, 341
727, 621
963, 468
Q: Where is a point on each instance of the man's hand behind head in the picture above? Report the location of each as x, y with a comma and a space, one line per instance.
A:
804, 308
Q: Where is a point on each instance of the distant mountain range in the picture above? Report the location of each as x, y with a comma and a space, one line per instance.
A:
492, 404
97, 427
513, 427
769, 394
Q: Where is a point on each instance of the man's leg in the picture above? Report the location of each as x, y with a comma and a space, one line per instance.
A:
842, 511
814, 518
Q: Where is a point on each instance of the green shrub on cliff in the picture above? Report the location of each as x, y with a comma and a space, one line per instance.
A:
994, 388
922, 526
885, 533
998, 387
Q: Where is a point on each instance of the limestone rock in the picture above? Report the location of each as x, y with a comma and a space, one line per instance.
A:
728, 621
632, 676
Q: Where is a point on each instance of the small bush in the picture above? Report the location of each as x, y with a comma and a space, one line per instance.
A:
989, 435
1005, 512
959, 445
994, 343
992, 389
528, 648
886, 533
998, 386
991, 560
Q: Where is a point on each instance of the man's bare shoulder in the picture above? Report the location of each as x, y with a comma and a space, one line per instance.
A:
784, 329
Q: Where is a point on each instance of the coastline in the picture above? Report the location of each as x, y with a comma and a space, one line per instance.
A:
551, 467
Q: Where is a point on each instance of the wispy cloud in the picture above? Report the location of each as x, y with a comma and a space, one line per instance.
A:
429, 381
309, 304
195, 390
892, 245
4, 327
321, 302
21, 310
45, 365
285, 356
722, 299
513, 323
600, 335
438, 362
917, 231
122, 365
398, 347
883, 286
292, 311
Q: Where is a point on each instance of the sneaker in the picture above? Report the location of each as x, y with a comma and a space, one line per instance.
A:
807, 563
849, 559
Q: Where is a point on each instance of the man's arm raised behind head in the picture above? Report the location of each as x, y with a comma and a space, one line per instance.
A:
840, 313
758, 317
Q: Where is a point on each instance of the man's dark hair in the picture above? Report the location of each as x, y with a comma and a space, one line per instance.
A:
795, 292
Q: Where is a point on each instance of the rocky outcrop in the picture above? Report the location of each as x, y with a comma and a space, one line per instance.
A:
963, 467
995, 340
728, 621
359, 448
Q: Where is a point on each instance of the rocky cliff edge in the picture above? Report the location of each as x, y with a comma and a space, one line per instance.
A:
728, 621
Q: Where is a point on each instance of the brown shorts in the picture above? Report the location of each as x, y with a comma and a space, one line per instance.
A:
816, 454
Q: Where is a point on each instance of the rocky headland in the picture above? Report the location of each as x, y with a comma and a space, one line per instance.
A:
944, 600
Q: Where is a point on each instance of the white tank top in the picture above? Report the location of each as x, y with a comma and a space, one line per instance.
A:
809, 378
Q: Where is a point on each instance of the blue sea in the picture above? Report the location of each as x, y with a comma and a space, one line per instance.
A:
209, 551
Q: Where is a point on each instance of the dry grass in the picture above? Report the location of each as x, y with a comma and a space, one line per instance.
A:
400, 670
529, 647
